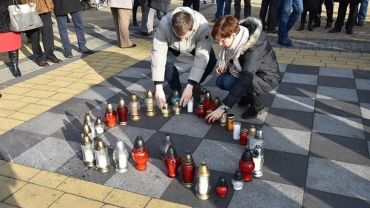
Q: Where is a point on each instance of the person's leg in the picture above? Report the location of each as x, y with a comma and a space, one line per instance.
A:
237, 9
196, 5
263, 11
247, 8
272, 16
329, 5
210, 66
35, 43
303, 20
226, 81
351, 17
311, 18
171, 74
256, 106
123, 22
63, 32
116, 25
134, 12
227, 10
285, 10
48, 37
13, 56
297, 11
342, 10
219, 8
362, 12
80, 29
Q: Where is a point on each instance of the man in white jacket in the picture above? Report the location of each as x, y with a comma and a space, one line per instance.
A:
182, 31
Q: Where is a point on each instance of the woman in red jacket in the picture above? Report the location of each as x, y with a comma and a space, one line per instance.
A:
10, 42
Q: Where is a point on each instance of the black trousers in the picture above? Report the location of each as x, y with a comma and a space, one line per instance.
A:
190, 3
342, 10
172, 75
247, 8
272, 6
329, 5
47, 38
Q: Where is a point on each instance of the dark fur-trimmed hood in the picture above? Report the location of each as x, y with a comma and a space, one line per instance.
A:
254, 25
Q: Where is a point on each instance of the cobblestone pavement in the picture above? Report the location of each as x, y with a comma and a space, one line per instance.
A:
316, 127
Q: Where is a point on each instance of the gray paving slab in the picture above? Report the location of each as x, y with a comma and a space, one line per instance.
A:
339, 148
220, 156
337, 125
361, 74
282, 67
49, 154
342, 82
313, 199
333, 72
291, 102
337, 93
118, 82
98, 93
135, 72
368, 147
127, 134
142, 85
75, 107
337, 107
339, 178
363, 96
297, 89
363, 84
290, 119
15, 142
152, 182
189, 125
365, 110
46, 123
300, 78
302, 69
259, 193
287, 140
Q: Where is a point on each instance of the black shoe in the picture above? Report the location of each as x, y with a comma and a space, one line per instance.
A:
286, 43
14, 69
335, 30
53, 59
147, 34
310, 27
68, 54
328, 24
360, 24
252, 112
244, 101
349, 31
86, 51
301, 27
273, 31
42, 63
131, 46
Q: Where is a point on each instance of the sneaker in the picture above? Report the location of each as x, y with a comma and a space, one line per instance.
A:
86, 51
286, 43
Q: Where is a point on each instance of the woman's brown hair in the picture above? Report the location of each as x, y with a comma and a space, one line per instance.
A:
182, 22
225, 26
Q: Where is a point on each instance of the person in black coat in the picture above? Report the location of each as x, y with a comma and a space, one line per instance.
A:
342, 10
73, 7
313, 7
247, 65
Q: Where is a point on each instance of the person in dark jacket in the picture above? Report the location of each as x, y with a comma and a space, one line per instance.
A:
312, 7
247, 65
10, 42
73, 7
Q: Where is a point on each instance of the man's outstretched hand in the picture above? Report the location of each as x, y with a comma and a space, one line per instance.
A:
186, 95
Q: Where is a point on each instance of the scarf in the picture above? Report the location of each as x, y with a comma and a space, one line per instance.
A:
233, 52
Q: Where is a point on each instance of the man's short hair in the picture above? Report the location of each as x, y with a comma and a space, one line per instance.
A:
225, 26
182, 22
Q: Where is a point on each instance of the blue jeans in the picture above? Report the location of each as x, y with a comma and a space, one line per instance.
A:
223, 7
362, 11
226, 81
63, 30
288, 18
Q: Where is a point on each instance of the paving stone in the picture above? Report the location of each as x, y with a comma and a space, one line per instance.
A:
339, 148
300, 78
365, 110
297, 103
338, 108
118, 82
178, 193
9, 186
2, 205
54, 122
290, 119
339, 178
134, 72
14, 142
199, 126
137, 181
363, 84
337, 93
265, 193
34, 196
49, 154
219, 156
366, 123
72, 131
301, 69
74, 167
337, 125
17, 171
85, 189
314, 198
363, 96
282, 67
181, 143
48, 179
297, 89
332, 72
219, 133
154, 123
154, 203
75, 107
127, 134
336, 82
127, 199
361, 74
68, 200
142, 86
287, 140
98, 93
